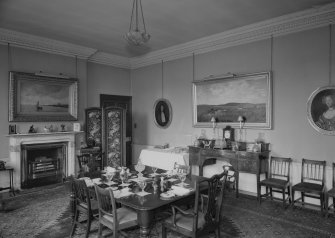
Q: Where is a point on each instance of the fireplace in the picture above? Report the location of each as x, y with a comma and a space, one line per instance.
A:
42, 158
43, 164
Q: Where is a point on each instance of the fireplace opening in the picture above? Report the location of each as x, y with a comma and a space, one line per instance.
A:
43, 164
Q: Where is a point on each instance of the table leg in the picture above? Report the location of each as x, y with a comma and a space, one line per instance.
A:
144, 219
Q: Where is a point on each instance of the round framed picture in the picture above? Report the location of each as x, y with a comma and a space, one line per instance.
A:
321, 110
162, 113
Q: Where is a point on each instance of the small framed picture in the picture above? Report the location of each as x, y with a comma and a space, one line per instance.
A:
76, 126
12, 129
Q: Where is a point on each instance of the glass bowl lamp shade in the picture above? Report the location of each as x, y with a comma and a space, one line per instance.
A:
137, 34
137, 38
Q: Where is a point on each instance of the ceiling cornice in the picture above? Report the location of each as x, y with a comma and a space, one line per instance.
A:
110, 59
47, 45
299, 21
287, 24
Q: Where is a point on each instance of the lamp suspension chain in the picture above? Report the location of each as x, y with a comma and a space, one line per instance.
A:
271, 54
193, 68
330, 54
76, 66
9, 57
162, 79
145, 30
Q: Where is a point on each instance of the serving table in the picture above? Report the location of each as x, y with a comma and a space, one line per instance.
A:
242, 161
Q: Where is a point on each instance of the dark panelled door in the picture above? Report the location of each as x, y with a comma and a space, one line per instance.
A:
125, 103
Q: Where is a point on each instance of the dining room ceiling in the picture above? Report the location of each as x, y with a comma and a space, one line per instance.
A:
101, 24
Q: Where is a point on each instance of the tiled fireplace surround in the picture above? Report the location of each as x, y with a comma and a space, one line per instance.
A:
17, 140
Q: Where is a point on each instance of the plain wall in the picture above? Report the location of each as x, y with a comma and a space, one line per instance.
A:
300, 64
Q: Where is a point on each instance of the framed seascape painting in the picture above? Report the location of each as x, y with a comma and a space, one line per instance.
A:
226, 99
321, 110
42, 98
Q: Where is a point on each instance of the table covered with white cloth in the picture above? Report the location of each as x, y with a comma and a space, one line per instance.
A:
164, 158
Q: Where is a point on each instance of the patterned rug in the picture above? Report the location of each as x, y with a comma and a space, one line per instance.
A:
46, 214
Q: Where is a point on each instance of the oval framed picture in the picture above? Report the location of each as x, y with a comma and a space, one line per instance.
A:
162, 113
321, 110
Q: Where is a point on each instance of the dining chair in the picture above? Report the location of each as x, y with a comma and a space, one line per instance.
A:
331, 194
84, 205
202, 218
179, 168
89, 164
278, 179
232, 178
116, 219
312, 182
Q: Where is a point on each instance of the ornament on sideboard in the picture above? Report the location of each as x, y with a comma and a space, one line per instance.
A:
62, 127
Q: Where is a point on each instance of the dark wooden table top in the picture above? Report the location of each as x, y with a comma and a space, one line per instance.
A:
153, 200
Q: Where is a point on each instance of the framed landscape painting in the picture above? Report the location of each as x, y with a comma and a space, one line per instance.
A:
41, 98
225, 99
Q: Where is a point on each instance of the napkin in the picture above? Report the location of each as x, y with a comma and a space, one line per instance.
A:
172, 179
110, 183
180, 191
96, 181
142, 193
125, 192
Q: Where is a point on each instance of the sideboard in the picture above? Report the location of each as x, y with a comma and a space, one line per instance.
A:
242, 161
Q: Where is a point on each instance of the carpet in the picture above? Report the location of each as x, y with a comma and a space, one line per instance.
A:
46, 214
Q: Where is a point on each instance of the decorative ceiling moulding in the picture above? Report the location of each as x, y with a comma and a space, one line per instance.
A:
47, 45
109, 59
299, 21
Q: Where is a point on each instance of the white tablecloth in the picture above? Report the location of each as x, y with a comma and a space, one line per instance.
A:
164, 158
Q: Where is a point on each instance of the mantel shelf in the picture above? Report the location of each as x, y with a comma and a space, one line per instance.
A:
45, 134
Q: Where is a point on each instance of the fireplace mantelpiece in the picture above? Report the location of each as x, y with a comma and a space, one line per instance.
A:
17, 140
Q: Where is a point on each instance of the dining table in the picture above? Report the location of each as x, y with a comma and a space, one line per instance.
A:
153, 197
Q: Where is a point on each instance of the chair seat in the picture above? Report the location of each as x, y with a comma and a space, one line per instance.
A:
94, 205
308, 187
273, 182
125, 217
187, 222
331, 192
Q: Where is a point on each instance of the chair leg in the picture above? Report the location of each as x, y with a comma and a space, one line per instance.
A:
163, 231
292, 195
88, 227
284, 200
271, 194
289, 194
75, 220
217, 232
322, 200
302, 198
100, 230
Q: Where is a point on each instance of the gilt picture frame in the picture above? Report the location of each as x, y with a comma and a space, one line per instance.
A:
227, 98
42, 98
321, 110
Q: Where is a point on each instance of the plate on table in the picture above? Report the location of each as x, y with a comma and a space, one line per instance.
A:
113, 188
167, 195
